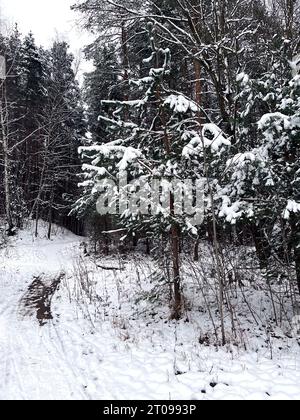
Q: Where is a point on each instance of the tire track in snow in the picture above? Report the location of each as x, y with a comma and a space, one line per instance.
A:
15, 371
31, 366
38, 297
60, 358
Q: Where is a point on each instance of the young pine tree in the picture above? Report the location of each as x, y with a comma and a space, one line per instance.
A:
155, 137
263, 181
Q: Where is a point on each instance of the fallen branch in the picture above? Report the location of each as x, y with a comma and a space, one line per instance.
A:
110, 268
113, 232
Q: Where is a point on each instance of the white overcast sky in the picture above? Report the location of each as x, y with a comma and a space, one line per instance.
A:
47, 19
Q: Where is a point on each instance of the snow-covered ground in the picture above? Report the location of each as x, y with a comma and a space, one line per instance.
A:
110, 337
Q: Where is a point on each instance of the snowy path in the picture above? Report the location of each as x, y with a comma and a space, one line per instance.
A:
68, 359
31, 364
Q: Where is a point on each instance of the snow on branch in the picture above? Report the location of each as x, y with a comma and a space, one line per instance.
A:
180, 104
292, 207
106, 150
212, 137
119, 123
295, 65
277, 119
130, 155
234, 211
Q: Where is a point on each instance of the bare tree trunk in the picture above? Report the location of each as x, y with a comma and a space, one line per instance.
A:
198, 87
148, 249
198, 95
196, 250
262, 245
125, 65
37, 215
5, 143
36, 204
197, 67
220, 271
289, 18
50, 214
297, 264
175, 244
296, 246
106, 239
125, 53
175, 232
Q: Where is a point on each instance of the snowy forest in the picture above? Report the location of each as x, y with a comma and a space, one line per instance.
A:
150, 209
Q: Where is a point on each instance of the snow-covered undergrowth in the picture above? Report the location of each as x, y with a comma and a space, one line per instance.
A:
110, 337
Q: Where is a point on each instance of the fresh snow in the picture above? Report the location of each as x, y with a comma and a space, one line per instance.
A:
295, 65
130, 155
243, 78
292, 207
219, 138
117, 344
217, 141
277, 118
181, 105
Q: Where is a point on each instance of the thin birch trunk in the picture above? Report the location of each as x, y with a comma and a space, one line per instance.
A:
5, 143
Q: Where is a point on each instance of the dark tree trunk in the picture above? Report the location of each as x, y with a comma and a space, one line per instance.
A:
262, 245
106, 239
50, 215
295, 226
196, 250
148, 248
297, 263
175, 246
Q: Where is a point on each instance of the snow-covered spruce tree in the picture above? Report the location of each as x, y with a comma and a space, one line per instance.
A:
263, 181
159, 140
62, 127
24, 91
102, 83
33, 94
12, 141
